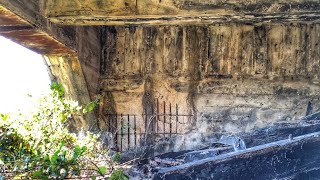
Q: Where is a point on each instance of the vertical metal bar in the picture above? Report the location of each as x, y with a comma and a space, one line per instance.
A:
151, 119
164, 118
177, 118
121, 131
128, 131
157, 120
116, 129
135, 130
145, 121
170, 125
109, 123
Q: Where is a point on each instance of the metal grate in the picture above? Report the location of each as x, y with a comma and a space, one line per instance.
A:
161, 120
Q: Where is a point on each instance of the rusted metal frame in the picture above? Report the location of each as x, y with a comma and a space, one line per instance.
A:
186, 115
164, 117
177, 117
170, 125
135, 130
145, 133
151, 123
128, 120
157, 117
154, 129
121, 131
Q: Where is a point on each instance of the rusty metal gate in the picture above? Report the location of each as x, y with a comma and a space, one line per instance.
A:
162, 120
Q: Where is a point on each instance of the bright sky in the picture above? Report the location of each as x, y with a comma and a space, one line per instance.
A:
22, 72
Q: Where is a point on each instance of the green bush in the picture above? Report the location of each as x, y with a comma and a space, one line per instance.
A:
39, 146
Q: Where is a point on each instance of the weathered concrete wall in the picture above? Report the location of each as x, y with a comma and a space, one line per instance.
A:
89, 54
231, 77
67, 71
247, 72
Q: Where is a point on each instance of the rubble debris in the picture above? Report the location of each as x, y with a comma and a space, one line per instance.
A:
285, 159
236, 142
291, 143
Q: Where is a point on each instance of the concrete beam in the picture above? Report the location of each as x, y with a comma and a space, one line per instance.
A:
124, 12
14, 28
27, 34
27, 12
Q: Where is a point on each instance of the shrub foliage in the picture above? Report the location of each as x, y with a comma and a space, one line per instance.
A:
38, 145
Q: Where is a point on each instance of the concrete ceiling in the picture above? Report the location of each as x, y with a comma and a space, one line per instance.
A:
49, 26
163, 12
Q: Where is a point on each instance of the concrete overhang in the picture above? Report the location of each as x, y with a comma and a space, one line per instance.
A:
28, 33
126, 12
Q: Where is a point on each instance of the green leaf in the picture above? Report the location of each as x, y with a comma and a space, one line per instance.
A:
89, 107
116, 157
54, 158
103, 170
77, 150
84, 149
76, 153
118, 175
58, 88
4, 117
92, 178
37, 174
62, 144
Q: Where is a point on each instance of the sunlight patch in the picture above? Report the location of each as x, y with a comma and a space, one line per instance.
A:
23, 77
